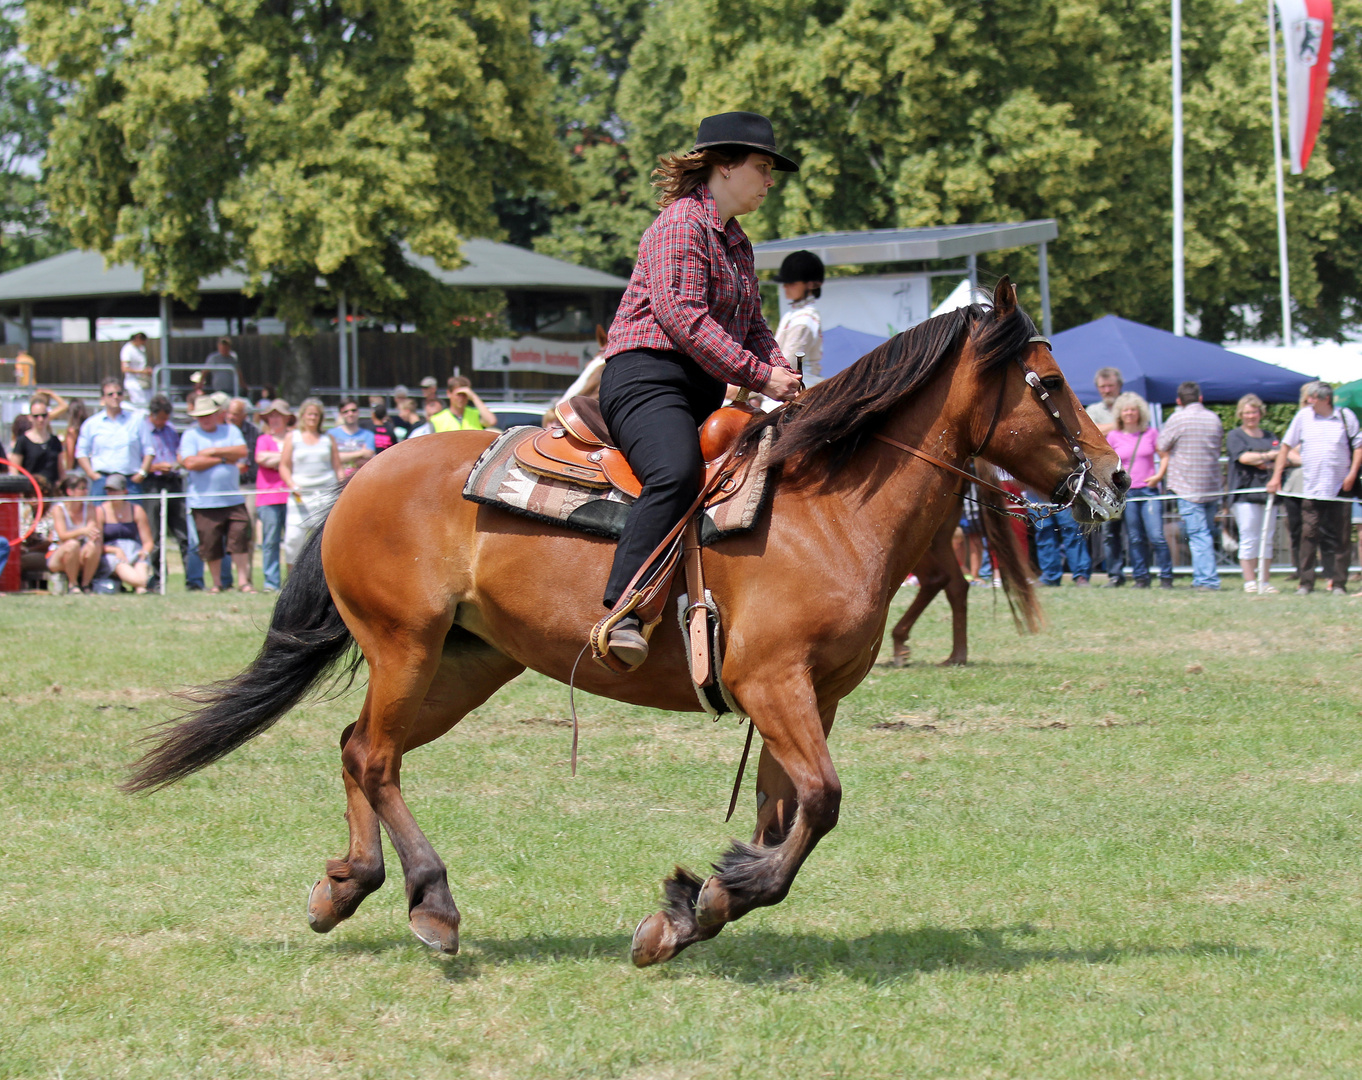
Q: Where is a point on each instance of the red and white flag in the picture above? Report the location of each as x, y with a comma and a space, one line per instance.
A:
1308, 30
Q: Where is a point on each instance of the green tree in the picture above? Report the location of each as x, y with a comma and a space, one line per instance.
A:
297, 139
585, 46
908, 112
28, 102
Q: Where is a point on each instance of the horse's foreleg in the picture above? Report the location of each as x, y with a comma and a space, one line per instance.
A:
348, 881
803, 798
930, 582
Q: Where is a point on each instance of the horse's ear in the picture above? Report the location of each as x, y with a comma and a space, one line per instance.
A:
601, 336
1004, 296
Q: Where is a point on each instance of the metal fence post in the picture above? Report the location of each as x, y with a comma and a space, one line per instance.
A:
165, 509
1269, 527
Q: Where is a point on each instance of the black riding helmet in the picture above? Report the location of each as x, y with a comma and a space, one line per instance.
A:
800, 266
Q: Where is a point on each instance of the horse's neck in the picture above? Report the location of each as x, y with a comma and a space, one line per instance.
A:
900, 497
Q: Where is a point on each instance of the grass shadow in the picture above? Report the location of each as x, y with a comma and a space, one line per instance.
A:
768, 957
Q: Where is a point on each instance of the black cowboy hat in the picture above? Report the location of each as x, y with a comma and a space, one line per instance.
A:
800, 266
745, 129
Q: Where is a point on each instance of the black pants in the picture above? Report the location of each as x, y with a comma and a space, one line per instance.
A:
654, 403
176, 526
1325, 528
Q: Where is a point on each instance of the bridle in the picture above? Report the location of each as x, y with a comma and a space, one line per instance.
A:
1072, 486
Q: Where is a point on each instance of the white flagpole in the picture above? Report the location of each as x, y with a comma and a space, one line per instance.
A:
1277, 159
1179, 281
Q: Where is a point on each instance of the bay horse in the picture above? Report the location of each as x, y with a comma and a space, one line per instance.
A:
939, 571
447, 600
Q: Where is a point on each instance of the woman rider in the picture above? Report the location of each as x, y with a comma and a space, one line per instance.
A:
689, 323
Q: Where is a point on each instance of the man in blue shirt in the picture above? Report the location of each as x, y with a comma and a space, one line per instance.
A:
355, 444
210, 451
111, 442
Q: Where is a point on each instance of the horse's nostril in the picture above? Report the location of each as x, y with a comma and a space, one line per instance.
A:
1121, 480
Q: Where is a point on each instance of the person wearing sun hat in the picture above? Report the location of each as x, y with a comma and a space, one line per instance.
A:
210, 451
271, 493
689, 324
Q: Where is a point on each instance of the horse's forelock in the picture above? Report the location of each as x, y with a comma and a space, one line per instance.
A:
996, 339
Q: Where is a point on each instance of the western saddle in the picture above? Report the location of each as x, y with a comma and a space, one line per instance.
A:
579, 449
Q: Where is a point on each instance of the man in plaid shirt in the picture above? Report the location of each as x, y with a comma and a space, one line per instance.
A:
689, 324
1191, 437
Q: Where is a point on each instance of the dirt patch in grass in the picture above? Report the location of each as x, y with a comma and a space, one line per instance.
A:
981, 719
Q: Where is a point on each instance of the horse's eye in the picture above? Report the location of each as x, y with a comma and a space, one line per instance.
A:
1053, 383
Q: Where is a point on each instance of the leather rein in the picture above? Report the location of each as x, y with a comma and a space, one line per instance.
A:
1034, 510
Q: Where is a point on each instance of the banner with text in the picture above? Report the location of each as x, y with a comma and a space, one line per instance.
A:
533, 354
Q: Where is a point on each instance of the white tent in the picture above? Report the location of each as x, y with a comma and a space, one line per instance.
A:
1325, 360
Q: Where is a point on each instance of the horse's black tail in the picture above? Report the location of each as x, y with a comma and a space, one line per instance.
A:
306, 639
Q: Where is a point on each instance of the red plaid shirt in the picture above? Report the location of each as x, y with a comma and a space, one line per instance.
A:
694, 289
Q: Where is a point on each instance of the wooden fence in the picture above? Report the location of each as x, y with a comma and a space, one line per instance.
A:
385, 360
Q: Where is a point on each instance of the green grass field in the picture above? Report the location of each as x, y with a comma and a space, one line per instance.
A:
1125, 848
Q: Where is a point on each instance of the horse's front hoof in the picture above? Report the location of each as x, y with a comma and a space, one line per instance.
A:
900, 657
654, 941
714, 906
435, 932
321, 913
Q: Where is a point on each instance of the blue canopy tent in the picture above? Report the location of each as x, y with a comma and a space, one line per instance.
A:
1153, 363
843, 347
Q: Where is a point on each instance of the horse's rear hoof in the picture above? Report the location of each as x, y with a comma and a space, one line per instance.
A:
435, 932
321, 914
654, 941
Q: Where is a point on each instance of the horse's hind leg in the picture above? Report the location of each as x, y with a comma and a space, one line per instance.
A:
340, 891
411, 706
957, 592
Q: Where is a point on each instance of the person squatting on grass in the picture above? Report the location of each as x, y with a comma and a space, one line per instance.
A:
126, 535
79, 541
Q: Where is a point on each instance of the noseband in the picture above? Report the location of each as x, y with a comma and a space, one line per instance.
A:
1072, 486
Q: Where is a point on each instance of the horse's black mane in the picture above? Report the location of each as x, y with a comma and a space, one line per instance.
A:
833, 419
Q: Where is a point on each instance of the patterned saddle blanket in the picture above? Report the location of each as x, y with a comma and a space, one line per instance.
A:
501, 477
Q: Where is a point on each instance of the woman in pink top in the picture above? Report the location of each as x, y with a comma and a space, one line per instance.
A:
271, 500
1133, 440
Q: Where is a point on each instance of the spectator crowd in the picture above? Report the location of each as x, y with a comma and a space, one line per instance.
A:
243, 476
262, 475
1310, 469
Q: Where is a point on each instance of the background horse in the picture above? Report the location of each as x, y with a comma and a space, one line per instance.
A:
940, 571
448, 600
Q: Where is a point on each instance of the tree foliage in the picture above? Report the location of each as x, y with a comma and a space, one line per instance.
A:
585, 46
907, 113
295, 138
28, 102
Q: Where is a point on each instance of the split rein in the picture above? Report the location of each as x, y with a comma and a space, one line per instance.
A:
1033, 510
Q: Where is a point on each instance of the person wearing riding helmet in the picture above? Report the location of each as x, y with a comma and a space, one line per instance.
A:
689, 323
801, 327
